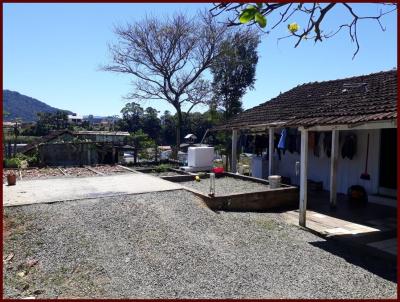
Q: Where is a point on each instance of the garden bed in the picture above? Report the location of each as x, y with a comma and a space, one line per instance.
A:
78, 172
33, 173
50, 172
239, 193
109, 169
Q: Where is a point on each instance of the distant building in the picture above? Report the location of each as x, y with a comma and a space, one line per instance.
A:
100, 120
68, 148
75, 119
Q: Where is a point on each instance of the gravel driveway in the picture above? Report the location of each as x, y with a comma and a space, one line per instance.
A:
169, 245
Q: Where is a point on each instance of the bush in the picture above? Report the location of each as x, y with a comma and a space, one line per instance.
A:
18, 160
31, 160
162, 168
12, 163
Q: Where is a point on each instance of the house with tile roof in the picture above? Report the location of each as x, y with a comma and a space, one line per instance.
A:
335, 131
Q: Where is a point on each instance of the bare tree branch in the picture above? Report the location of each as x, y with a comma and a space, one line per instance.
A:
167, 58
315, 15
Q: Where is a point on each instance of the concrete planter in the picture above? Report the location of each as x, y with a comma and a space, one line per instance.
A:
283, 197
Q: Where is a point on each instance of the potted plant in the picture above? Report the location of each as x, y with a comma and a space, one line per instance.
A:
11, 178
11, 175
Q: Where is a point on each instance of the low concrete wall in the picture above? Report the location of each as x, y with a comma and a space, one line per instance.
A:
283, 197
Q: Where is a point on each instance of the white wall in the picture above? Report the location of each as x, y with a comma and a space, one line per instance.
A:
348, 172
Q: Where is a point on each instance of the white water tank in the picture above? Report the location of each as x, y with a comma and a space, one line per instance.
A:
200, 156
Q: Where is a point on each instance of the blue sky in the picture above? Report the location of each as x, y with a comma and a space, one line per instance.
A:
52, 52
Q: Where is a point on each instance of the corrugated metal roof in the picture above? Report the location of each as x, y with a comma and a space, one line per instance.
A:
112, 133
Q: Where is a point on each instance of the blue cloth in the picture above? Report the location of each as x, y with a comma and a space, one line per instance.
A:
282, 140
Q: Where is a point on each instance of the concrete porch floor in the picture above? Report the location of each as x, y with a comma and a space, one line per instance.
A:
372, 227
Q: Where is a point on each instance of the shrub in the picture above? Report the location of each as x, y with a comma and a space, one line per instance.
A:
162, 168
12, 163
31, 160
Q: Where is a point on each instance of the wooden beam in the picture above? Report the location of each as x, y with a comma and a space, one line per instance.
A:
270, 150
334, 157
234, 152
359, 126
303, 177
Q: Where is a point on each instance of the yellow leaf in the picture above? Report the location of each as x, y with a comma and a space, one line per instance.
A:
293, 27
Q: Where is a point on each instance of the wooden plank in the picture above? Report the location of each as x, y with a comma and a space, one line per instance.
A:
365, 126
234, 152
303, 177
93, 170
334, 161
62, 171
270, 150
128, 169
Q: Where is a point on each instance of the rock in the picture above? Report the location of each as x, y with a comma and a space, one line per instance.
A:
9, 257
21, 274
31, 262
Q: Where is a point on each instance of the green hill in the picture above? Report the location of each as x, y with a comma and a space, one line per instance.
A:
21, 106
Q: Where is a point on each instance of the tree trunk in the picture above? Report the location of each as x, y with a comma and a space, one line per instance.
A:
15, 147
156, 153
135, 153
178, 131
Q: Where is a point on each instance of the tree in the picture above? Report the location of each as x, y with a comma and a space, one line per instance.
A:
313, 13
51, 121
141, 141
132, 115
234, 71
168, 128
16, 133
167, 59
151, 123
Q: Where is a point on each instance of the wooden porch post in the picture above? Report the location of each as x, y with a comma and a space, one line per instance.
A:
234, 151
270, 149
334, 156
303, 177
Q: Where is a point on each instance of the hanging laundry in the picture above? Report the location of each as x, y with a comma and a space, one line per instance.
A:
317, 144
328, 143
261, 142
298, 142
311, 140
282, 140
276, 143
291, 142
249, 147
349, 148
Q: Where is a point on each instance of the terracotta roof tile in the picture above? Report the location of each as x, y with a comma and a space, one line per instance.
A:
344, 101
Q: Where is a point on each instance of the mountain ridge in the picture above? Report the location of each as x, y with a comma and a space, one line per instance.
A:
18, 105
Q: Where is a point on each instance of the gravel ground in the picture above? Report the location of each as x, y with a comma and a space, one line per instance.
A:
226, 186
170, 245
